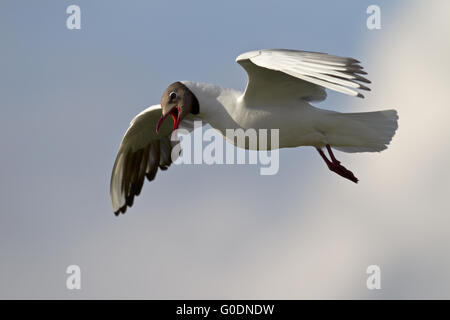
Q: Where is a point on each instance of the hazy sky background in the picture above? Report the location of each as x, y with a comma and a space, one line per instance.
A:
67, 97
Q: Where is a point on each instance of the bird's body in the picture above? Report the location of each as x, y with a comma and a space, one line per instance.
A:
282, 86
299, 123
294, 119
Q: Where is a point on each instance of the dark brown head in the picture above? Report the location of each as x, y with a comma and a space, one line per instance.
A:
177, 101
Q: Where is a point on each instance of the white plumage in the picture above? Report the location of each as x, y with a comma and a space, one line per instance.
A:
281, 85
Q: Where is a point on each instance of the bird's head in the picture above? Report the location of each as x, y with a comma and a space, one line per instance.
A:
177, 101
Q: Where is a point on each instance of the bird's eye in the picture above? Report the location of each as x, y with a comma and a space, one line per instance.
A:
172, 95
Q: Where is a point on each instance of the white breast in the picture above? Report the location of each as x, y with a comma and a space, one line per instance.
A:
225, 109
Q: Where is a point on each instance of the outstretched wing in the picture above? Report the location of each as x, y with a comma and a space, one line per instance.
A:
300, 74
141, 153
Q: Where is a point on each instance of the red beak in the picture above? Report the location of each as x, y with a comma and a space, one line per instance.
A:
175, 112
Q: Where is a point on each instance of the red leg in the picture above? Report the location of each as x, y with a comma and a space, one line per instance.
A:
335, 165
324, 157
330, 152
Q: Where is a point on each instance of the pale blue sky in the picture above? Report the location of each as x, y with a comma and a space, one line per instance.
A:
66, 99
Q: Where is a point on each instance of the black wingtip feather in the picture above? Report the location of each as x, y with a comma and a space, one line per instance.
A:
361, 79
150, 177
122, 210
129, 201
362, 87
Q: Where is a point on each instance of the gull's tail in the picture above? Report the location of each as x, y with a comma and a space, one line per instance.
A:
361, 132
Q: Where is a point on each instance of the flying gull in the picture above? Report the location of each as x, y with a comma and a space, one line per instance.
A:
281, 85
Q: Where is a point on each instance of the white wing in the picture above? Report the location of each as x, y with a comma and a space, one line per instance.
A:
140, 154
300, 74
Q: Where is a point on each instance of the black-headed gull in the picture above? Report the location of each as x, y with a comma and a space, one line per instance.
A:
281, 85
